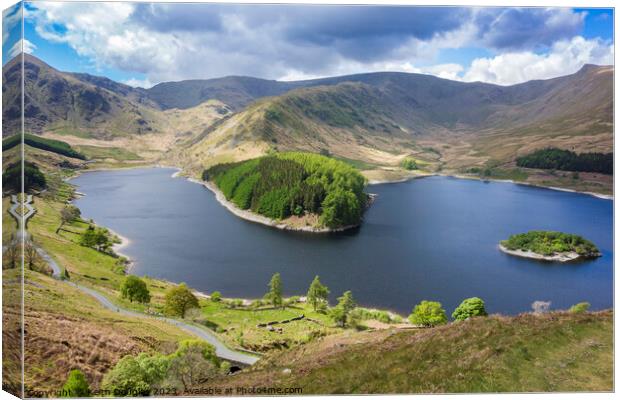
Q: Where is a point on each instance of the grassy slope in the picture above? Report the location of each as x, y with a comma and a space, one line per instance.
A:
67, 329
238, 327
551, 352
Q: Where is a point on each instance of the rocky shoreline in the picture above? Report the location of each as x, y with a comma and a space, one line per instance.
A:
559, 257
253, 217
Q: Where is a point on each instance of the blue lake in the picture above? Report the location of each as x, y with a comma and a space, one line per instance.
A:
428, 239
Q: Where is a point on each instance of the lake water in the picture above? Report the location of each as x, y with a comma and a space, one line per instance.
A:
433, 238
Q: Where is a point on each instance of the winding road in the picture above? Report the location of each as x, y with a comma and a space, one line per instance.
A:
205, 334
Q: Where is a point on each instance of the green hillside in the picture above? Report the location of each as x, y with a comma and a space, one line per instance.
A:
77, 105
558, 352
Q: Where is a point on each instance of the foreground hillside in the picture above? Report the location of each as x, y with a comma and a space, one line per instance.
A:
528, 353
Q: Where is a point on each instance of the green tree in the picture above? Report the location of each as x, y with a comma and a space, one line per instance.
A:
134, 288
428, 313
96, 238
136, 375
472, 307
76, 385
275, 290
346, 301
317, 293
68, 214
33, 177
216, 296
179, 299
579, 308
340, 313
341, 208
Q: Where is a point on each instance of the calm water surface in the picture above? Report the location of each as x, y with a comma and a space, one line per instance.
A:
433, 238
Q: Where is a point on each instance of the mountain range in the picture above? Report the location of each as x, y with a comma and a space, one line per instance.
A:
374, 118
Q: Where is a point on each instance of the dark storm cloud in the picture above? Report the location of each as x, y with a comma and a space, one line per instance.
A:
365, 33
527, 28
323, 25
178, 17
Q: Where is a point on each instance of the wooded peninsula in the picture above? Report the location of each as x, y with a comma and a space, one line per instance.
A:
294, 184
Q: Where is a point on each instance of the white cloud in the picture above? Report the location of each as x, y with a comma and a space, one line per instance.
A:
142, 83
445, 71
564, 58
22, 45
108, 34
11, 17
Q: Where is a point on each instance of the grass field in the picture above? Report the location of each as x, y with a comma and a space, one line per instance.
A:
239, 326
114, 153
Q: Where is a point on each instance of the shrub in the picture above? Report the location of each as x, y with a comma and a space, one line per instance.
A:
580, 308
472, 307
428, 313
76, 385
409, 164
192, 364
377, 315
216, 297
136, 375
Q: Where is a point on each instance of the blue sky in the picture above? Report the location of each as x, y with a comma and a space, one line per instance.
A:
144, 44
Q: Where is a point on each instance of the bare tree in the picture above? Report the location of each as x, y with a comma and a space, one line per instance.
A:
12, 254
31, 256
191, 369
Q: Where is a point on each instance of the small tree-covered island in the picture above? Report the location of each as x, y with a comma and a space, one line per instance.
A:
292, 190
550, 246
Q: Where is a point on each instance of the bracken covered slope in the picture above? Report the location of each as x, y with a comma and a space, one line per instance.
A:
527, 353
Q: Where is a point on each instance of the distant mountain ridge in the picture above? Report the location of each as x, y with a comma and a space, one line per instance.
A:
78, 104
356, 116
377, 118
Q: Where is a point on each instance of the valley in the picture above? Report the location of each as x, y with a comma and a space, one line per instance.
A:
95, 142
374, 120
